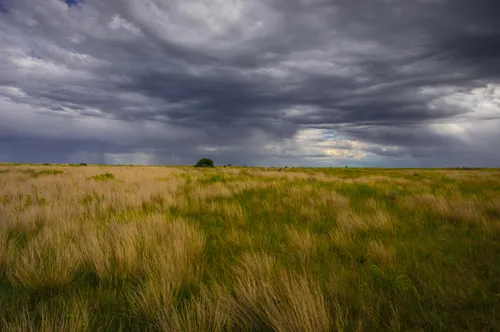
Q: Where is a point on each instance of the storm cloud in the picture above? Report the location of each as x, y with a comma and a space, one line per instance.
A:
264, 82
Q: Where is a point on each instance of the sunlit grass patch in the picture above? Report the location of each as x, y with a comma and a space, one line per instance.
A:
131, 249
453, 209
171, 258
302, 242
212, 310
350, 222
272, 297
380, 253
49, 260
341, 238
212, 190
74, 315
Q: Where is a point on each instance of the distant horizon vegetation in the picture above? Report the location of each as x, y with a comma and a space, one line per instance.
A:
253, 166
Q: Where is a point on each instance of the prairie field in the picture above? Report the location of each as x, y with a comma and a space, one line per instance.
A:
122, 248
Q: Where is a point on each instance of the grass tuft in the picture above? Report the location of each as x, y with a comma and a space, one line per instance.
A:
103, 177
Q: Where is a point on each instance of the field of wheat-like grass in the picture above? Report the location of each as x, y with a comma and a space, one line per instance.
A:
102, 248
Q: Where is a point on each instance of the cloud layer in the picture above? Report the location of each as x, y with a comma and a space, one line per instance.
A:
265, 82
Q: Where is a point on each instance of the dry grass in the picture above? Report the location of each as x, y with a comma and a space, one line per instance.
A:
267, 295
74, 317
212, 191
241, 249
6, 250
171, 256
212, 310
350, 222
341, 239
379, 220
239, 238
230, 210
453, 209
50, 260
381, 254
302, 242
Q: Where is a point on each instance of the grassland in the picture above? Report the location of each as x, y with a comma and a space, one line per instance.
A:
183, 249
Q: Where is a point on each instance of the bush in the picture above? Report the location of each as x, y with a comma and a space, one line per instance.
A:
103, 177
83, 164
205, 162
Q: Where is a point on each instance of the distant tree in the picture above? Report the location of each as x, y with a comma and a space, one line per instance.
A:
229, 165
83, 164
205, 162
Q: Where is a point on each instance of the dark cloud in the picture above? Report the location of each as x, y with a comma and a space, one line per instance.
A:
266, 82
4, 6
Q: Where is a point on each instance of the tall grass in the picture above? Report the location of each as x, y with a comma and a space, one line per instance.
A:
230, 249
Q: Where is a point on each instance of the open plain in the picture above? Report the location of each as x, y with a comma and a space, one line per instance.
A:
103, 248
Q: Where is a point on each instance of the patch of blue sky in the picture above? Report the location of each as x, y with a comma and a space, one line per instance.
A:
72, 3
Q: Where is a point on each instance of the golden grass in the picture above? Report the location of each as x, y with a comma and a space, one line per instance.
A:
452, 209
6, 250
349, 221
379, 220
376, 179
341, 238
172, 255
302, 242
284, 301
183, 249
212, 310
74, 317
230, 210
239, 237
212, 191
381, 254
333, 200
49, 260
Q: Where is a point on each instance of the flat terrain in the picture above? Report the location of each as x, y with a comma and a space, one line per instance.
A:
185, 249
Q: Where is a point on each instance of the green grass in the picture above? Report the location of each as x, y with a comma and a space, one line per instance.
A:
224, 249
103, 177
34, 174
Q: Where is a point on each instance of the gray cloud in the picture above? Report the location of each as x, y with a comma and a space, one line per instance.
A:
265, 82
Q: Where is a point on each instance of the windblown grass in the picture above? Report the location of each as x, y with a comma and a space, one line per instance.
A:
244, 249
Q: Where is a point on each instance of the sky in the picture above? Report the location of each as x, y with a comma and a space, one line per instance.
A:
385, 83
